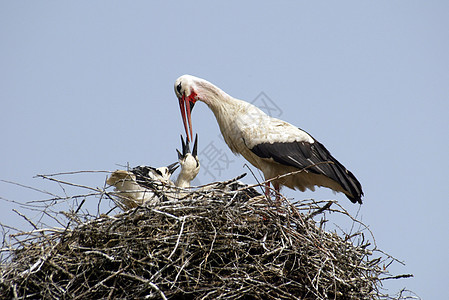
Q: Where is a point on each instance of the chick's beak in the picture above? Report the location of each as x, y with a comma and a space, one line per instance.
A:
172, 167
195, 146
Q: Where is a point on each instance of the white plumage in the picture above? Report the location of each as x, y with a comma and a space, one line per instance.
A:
271, 145
190, 164
144, 184
141, 184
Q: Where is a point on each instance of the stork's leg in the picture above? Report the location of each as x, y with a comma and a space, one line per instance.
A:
278, 195
267, 189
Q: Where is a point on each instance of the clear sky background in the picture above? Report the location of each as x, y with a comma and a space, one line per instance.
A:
88, 85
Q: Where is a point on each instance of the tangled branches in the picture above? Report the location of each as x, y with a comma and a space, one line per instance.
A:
222, 242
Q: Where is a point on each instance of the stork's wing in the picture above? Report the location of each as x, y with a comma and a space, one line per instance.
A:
314, 157
143, 178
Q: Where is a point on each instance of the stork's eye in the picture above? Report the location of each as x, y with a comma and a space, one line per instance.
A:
179, 87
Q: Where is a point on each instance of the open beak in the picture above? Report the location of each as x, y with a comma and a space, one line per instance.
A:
186, 105
195, 146
185, 149
171, 168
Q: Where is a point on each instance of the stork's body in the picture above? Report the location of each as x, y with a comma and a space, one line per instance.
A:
271, 145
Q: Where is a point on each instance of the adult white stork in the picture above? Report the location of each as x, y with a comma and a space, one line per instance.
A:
271, 145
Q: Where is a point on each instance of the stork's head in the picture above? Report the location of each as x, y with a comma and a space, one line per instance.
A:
190, 89
190, 164
186, 91
161, 174
166, 172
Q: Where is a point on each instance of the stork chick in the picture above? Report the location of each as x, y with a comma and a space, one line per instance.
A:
144, 184
140, 184
189, 162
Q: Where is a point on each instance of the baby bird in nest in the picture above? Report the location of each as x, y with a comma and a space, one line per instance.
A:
145, 184
190, 164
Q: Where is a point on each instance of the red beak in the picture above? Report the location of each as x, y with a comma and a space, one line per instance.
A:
186, 105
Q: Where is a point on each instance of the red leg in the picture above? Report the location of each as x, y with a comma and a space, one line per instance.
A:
277, 189
267, 189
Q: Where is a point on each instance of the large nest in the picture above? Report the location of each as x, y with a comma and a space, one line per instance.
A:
224, 241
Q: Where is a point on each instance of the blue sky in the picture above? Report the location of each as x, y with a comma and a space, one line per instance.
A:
89, 86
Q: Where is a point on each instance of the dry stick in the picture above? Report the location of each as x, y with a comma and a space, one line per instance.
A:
279, 177
356, 215
187, 261
41, 231
101, 196
28, 220
254, 176
76, 212
39, 263
66, 197
201, 188
227, 182
390, 257
69, 183
110, 258
290, 174
346, 213
398, 276
29, 187
179, 237
74, 172
320, 210
213, 241
53, 217
101, 282
112, 289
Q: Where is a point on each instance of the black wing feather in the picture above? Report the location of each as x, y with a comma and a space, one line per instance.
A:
143, 179
316, 158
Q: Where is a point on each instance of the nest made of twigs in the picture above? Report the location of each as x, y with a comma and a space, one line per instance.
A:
213, 243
